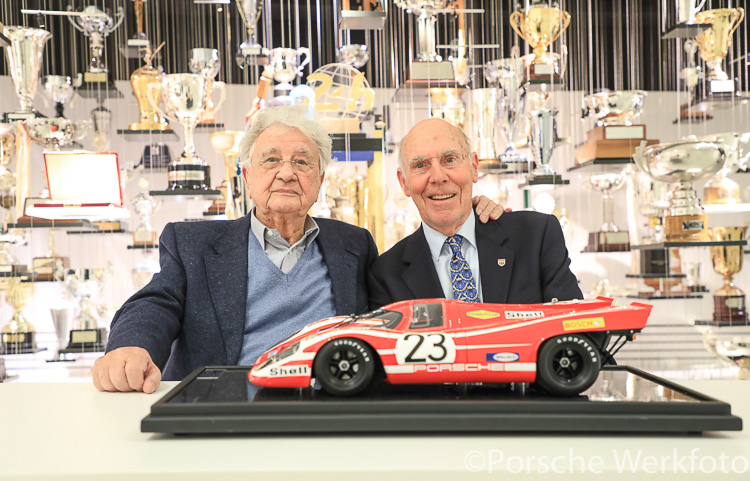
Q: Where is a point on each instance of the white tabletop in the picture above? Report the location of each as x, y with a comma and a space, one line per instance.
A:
71, 431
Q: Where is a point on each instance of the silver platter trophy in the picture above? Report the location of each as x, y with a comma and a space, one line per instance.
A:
205, 61
286, 66
186, 98
615, 135
86, 335
609, 237
542, 143
24, 58
97, 25
507, 73
251, 52
682, 163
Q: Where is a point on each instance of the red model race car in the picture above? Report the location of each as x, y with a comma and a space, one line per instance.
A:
559, 345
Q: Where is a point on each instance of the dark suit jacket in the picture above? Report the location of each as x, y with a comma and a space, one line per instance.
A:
529, 244
192, 313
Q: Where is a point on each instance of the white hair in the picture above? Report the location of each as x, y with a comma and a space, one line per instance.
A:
291, 117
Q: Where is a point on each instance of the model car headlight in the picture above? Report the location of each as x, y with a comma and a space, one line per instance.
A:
288, 351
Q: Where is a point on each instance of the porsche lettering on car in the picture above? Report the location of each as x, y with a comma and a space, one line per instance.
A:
559, 345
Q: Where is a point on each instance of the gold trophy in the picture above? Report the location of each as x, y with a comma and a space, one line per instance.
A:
714, 44
18, 335
540, 24
140, 79
227, 144
729, 301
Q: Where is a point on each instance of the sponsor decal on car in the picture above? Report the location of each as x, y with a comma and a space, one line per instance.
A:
523, 314
502, 356
587, 323
483, 314
289, 371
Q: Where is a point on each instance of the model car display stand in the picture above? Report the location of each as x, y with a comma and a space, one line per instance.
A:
220, 400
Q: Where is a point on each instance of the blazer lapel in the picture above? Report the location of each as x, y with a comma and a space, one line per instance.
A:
419, 274
226, 271
342, 269
495, 262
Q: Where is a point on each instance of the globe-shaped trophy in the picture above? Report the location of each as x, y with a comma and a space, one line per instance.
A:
682, 163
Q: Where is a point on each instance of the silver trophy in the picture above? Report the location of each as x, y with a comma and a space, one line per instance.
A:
353, 54
507, 73
607, 184
485, 115
686, 10
52, 132
59, 90
144, 270
734, 349
720, 189
542, 142
24, 57
186, 98
144, 205
96, 24
617, 107
251, 52
205, 61
101, 117
653, 204
426, 25
285, 62
62, 319
83, 285
682, 163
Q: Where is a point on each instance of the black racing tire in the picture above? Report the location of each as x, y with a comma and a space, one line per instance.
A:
568, 365
344, 367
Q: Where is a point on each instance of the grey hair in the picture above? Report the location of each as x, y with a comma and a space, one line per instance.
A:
291, 117
466, 139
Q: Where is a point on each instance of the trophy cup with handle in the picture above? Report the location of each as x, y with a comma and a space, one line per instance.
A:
686, 10
18, 334
609, 237
140, 79
251, 52
540, 23
729, 301
682, 163
542, 142
97, 25
9, 236
714, 44
205, 61
24, 57
286, 66
428, 65
186, 99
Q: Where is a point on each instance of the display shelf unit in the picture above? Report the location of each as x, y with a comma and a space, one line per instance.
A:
670, 245
95, 231
684, 30
601, 162
145, 136
665, 296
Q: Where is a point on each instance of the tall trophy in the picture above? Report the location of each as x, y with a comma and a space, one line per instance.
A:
86, 335
24, 57
540, 23
18, 334
682, 163
720, 189
101, 118
96, 24
144, 206
429, 65
251, 52
59, 90
227, 144
205, 61
9, 236
144, 270
140, 79
609, 237
507, 73
485, 114
62, 319
729, 301
542, 144
714, 44
348, 198
614, 136
186, 99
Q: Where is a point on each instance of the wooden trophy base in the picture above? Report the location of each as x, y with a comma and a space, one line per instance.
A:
50, 268
683, 228
612, 142
730, 309
144, 238
608, 242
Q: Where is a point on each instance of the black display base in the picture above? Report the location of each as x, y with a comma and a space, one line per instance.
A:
144, 246
6, 350
83, 348
685, 30
593, 162
206, 194
220, 400
544, 180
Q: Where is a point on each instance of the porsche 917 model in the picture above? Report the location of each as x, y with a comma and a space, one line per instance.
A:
559, 345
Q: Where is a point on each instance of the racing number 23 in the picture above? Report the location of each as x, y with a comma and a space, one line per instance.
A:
425, 348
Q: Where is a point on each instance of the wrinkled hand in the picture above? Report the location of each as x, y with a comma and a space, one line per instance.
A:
126, 369
487, 208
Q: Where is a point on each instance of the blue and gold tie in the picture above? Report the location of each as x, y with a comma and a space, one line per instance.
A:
464, 287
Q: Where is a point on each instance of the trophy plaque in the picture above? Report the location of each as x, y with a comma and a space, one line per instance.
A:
713, 45
609, 237
24, 57
86, 336
140, 79
682, 163
729, 301
540, 23
186, 99
18, 335
614, 136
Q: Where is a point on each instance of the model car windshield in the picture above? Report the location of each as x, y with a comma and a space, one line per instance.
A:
426, 315
390, 318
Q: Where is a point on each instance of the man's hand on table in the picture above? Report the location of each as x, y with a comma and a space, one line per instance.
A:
126, 369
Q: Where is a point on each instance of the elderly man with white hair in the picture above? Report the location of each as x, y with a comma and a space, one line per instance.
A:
229, 290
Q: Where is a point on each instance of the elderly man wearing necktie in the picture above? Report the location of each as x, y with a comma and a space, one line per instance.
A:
519, 258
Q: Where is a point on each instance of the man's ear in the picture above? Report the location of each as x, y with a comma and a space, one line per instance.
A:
402, 182
475, 167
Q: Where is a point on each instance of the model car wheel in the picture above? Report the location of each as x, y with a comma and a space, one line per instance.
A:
568, 365
344, 367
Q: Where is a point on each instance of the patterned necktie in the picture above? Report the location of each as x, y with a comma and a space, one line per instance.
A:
464, 287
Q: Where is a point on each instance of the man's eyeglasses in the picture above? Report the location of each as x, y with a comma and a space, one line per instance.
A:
301, 166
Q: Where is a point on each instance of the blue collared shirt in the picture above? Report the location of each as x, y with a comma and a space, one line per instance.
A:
277, 248
441, 254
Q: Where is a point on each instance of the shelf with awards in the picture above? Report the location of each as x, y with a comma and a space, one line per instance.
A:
668, 296
96, 90
421, 91
38, 223
655, 276
557, 180
144, 246
10, 351
712, 323
601, 162
147, 135
684, 30
669, 245
179, 194
97, 231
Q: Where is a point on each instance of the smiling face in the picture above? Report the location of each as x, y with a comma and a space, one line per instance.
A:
283, 190
438, 172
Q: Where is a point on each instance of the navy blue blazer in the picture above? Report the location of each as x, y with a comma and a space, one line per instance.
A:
522, 259
192, 313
